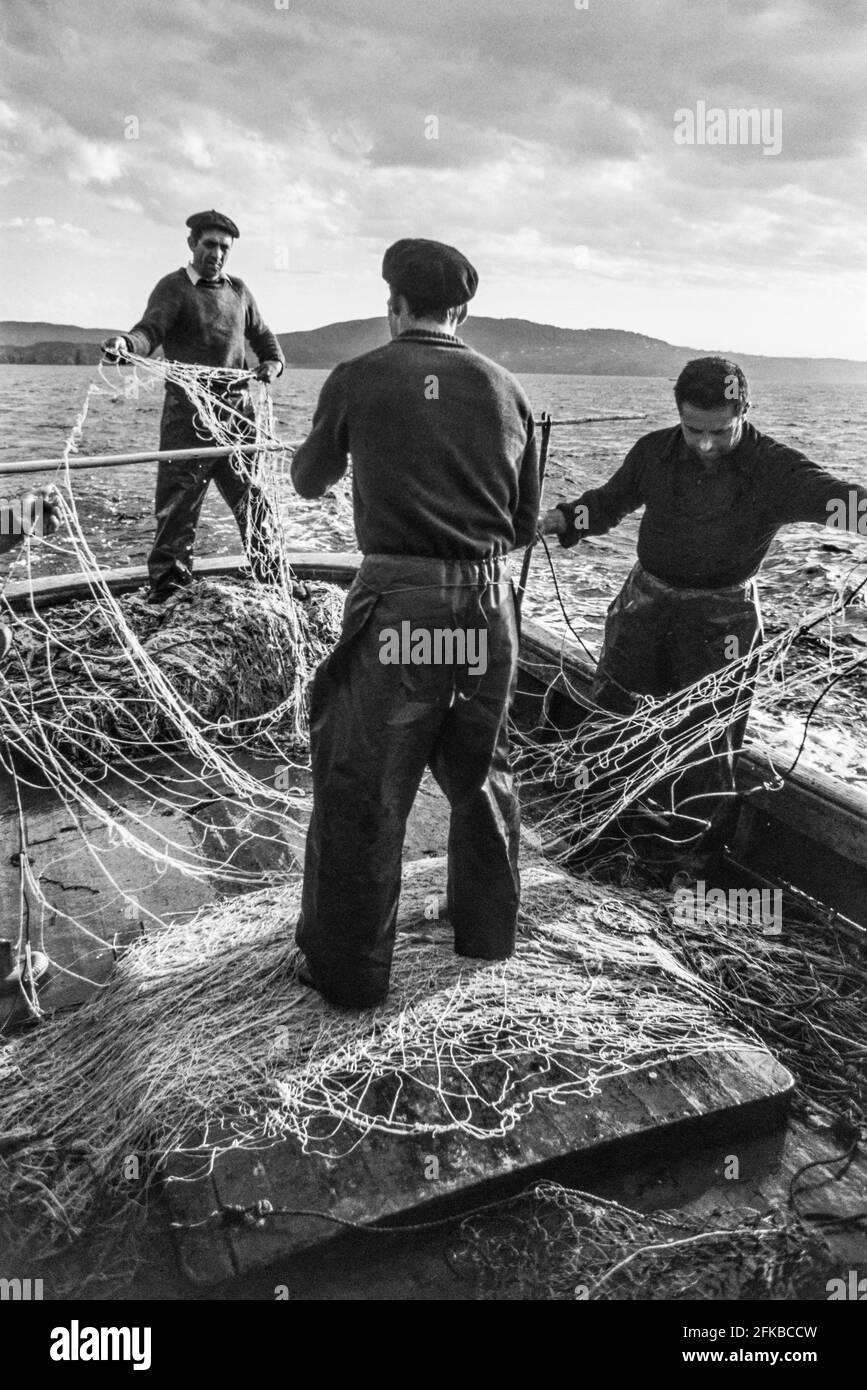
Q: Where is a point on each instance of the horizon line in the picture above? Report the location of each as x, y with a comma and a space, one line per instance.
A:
537, 323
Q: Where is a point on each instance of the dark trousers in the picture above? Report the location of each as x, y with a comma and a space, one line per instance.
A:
660, 640
180, 494
374, 728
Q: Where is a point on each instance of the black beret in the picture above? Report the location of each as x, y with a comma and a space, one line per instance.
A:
429, 273
200, 220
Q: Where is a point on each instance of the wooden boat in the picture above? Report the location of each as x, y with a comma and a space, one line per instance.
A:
809, 835
651, 1141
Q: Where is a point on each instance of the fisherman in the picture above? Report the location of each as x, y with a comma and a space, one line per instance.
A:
32, 514
715, 492
199, 314
445, 484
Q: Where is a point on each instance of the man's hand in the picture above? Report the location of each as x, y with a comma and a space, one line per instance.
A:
114, 349
268, 372
552, 523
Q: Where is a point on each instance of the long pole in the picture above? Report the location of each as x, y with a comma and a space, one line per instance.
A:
154, 455
528, 553
146, 456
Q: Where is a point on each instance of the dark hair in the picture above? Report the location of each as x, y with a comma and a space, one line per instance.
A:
420, 309
711, 382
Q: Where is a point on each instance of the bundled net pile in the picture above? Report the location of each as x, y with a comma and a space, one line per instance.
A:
235, 656
563, 1244
802, 989
804, 992
203, 1041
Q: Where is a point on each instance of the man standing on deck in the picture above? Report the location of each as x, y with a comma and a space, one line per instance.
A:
445, 484
715, 492
199, 314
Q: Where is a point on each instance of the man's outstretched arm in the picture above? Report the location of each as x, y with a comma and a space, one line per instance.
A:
805, 491
263, 342
598, 509
324, 455
149, 333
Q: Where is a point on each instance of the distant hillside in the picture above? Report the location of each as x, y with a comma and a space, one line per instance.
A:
522, 346
53, 354
527, 347
16, 334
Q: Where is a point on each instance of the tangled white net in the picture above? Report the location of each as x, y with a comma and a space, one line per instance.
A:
201, 1040
96, 688
583, 782
205, 1043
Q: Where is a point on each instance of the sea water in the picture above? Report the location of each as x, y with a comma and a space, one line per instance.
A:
804, 567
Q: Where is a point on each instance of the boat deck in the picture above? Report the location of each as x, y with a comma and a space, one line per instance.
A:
661, 1138
416, 1178
652, 1140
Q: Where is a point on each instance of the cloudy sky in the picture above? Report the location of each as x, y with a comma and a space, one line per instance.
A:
537, 135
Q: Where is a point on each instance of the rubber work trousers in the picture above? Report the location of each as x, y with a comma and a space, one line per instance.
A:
181, 488
659, 640
374, 728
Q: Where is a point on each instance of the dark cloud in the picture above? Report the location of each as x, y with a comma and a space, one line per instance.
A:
555, 141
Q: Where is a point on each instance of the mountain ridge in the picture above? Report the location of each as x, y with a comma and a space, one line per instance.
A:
521, 345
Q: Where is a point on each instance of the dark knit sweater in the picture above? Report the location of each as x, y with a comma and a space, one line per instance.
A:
708, 526
443, 445
205, 323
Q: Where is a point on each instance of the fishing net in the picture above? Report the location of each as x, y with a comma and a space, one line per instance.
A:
99, 685
583, 782
803, 991
559, 1243
203, 1041
227, 652
218, 675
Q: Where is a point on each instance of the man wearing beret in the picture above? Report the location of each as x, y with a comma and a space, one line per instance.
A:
445, 484
199, 314
715, 492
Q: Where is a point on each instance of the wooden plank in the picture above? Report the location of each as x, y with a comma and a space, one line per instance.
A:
823, 810
388, 1177
94, 878
200, 1200
329, 567
775, 853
